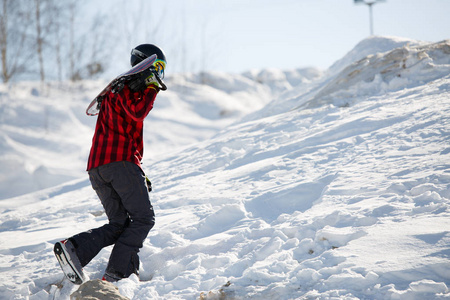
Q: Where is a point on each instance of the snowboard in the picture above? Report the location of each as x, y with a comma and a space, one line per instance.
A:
67, 265
117, 84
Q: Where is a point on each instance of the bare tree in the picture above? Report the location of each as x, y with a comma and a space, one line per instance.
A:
45, 22
72, 51
14, 37
57, 47
39, 38
100, 47
136, 24
52, 39
90, 45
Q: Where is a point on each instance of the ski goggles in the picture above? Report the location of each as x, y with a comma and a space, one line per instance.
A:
159, 66
139, 54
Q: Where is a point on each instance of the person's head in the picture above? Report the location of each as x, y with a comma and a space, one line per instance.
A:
144, 51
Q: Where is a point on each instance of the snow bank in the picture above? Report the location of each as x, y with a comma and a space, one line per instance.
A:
372, 46
300, 200
45, 134
402, 67
283, 80
375, 66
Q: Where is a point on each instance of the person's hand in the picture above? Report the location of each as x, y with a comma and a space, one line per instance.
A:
142, 81
149, 184
151, 80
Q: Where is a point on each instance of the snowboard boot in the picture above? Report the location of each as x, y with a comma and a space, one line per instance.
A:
110, 277
69, 262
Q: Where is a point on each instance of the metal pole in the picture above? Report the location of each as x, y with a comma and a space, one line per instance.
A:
371, 17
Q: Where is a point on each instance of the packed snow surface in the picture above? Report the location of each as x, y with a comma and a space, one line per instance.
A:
272, 184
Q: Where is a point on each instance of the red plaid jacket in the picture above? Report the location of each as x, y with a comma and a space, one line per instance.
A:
118, 133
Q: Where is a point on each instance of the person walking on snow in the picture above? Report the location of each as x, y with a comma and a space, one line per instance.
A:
115, 172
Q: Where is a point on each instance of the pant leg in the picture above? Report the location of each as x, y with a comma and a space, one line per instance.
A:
88, 244
128, 181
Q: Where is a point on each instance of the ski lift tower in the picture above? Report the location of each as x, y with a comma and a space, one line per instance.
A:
369, 3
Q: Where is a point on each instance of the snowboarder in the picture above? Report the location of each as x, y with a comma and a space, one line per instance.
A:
115, 172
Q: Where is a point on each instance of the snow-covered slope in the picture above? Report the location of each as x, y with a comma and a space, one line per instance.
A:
45, 134
338, 189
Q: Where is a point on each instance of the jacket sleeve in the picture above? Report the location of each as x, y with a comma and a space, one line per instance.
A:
138, 105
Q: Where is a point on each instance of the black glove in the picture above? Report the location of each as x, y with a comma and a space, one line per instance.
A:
141, 81
137, 82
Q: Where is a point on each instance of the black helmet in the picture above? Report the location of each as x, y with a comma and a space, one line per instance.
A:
143, 51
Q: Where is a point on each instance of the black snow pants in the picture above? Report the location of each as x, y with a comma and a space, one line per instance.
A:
122, 189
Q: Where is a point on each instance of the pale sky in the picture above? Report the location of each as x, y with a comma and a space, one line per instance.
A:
239, 35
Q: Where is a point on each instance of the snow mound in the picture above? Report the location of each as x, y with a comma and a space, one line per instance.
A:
45, 134
379, 73
283, 80
377, 65
371, 46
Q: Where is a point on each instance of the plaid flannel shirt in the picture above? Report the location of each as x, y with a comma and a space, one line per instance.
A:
119, 128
